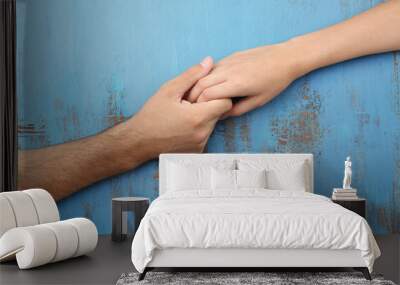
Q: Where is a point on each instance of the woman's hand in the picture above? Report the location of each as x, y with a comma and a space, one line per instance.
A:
262, 73
258, 74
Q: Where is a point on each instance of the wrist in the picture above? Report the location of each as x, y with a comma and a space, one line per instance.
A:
303, 55
130, 143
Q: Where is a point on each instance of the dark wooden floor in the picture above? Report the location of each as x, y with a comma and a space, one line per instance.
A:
389, 262
110, 260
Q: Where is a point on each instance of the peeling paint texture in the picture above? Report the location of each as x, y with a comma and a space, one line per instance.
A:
299, 130
84, 66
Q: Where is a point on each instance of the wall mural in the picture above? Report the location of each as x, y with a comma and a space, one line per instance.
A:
84, 66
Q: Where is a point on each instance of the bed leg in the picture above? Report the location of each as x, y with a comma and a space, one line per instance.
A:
143, 274
364, 271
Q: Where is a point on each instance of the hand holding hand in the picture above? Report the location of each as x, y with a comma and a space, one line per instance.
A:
168, 123
258, 74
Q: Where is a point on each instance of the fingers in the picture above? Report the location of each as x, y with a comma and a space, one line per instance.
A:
202, 84
213, 110
187, 79
245, 105
221, 91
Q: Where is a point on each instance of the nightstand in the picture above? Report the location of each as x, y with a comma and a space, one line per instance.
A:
358, 205
120, 207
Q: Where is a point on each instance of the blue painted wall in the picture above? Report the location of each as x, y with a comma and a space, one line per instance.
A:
83, 66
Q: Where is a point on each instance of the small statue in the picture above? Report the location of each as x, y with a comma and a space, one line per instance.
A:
347, 174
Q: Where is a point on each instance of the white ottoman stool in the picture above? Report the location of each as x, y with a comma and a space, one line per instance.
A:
31, 232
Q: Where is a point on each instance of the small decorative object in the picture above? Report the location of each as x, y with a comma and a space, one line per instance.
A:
347, 174
347, 192
344, 194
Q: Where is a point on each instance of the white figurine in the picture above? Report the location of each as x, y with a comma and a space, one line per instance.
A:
347, 174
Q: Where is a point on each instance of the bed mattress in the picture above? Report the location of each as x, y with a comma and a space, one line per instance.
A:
250, 219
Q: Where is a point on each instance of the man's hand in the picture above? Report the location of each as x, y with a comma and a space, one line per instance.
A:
166, 123
171, 124
259, 74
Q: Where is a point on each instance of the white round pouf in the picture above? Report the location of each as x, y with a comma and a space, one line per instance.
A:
45, 205
23, 208
67, 240
87, 234
31, 232
7, 218
33, 246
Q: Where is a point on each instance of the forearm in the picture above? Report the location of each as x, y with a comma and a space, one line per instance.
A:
164, 124
374, 31
64, 169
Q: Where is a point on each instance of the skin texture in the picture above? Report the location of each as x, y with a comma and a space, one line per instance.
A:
166, 123
261, 74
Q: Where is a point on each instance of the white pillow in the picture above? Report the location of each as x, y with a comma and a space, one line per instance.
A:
183, 177
251, 178
282, 174
223, 179
226, 179
186, 175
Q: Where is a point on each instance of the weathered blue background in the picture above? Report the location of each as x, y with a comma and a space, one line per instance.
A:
84, 65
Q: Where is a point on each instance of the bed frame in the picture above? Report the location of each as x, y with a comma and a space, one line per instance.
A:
242, 259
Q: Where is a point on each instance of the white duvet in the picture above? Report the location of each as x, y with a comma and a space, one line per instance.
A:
250, 219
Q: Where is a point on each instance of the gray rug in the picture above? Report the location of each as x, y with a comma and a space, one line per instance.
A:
231, 278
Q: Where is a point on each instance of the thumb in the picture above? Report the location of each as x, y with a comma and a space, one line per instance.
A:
187, 79
214, 109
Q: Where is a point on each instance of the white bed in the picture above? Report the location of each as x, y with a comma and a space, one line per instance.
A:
213, 224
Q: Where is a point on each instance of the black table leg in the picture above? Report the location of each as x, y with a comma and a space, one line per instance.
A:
140, 211
116, 222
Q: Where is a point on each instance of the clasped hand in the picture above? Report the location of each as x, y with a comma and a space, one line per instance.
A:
258, 75
181, 116
168, 122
